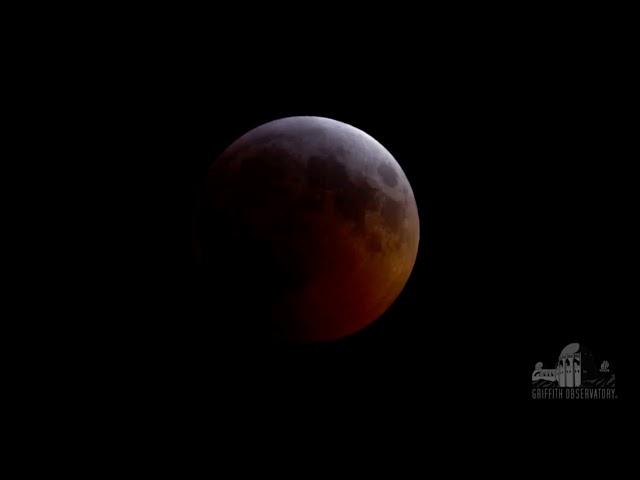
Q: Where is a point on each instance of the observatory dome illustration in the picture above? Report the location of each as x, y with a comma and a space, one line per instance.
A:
575, 365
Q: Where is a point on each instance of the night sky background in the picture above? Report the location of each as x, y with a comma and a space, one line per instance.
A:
513, 150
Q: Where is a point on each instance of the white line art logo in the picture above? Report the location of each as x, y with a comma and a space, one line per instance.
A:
574, 376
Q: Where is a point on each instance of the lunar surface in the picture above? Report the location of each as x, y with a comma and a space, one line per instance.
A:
310, 226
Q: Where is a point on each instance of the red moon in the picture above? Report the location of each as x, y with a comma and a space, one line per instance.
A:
312, 223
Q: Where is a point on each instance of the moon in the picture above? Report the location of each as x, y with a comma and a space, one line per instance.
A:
310, 225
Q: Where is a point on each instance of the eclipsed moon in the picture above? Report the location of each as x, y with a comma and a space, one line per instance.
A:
310, 222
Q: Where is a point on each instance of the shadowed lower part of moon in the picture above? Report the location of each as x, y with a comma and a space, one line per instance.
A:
307, 228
